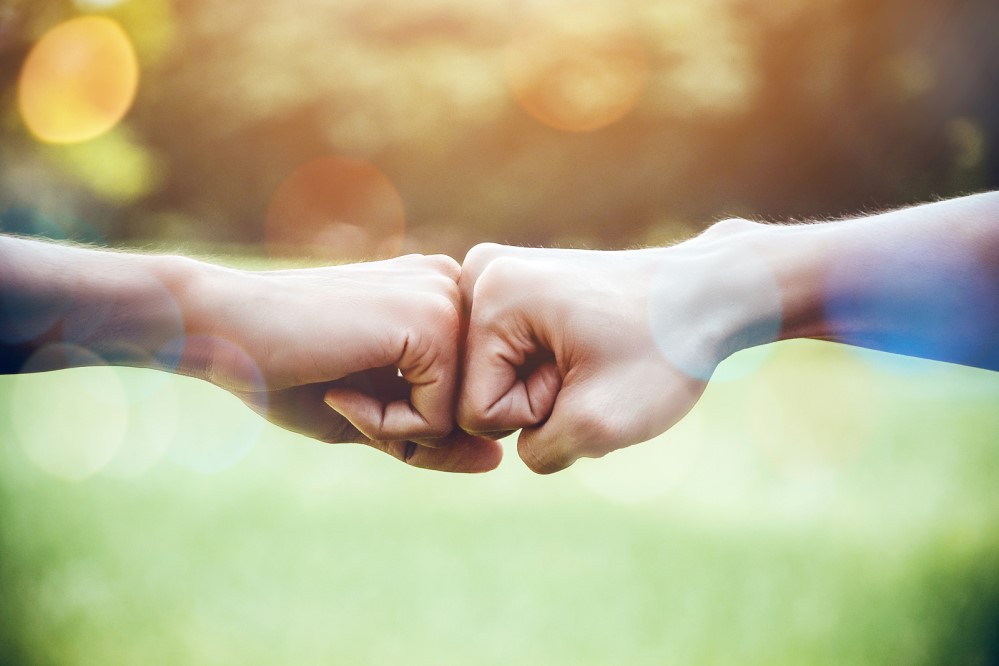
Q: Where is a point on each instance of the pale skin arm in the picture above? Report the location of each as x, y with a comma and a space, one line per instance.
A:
591, 351
317, 351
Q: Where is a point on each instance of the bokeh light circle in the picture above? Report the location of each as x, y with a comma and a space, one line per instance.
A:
153, 420
78, 81
69, 425
336, 208
576, 69
216, 430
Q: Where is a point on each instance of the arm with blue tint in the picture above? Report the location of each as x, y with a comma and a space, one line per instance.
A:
317, 351
590, 351
118, 307
920, 281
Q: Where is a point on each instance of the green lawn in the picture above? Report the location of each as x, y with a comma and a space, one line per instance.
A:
817, 507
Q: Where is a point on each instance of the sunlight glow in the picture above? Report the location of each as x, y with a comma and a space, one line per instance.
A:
336, 208
78, 81
576, 70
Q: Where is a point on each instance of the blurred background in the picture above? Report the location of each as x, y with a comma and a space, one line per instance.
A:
602, 123
819, 506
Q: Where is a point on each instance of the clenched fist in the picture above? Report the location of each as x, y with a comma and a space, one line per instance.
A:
587, 351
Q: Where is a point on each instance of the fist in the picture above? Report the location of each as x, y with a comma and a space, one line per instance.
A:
559, 344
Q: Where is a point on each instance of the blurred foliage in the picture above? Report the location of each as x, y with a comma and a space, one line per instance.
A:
777, 109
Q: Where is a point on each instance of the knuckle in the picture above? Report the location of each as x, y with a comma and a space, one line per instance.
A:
475, 263
449, 289
438, 430
438, 423
472, 417
500, 277
442, 312
409, 260
430, 311
480, 255
729, 227
445, 265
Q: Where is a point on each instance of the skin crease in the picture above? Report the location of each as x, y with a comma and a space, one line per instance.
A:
597, 392
410, 321
315, 351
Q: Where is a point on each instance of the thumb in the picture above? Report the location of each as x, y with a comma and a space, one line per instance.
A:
379, 421
502, 389
579, 426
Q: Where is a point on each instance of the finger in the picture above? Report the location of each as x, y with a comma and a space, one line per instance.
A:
434, 377
577, 427
479, 257
495, 434
379, 421
476, 260
445, 265
461, 454
494, 398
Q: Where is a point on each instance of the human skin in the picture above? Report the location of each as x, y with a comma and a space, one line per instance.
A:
592, 351
316, 351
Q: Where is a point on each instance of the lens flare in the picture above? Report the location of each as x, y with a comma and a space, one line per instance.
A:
78, 81
576, 70
336, 208
70, 425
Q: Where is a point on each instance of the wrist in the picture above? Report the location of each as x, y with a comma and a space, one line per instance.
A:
200, 295
797, 256
716, 294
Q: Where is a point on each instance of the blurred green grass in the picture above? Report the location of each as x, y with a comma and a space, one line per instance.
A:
817, 507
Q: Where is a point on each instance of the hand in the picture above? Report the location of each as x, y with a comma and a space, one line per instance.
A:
592, 351
362, 353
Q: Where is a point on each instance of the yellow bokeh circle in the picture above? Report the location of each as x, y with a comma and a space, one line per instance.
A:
576, 70
78, 81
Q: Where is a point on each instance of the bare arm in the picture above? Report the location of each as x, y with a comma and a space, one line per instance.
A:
124, 308
592, 351
921, 281
317, 351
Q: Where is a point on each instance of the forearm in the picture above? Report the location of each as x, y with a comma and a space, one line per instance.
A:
127, 309
922, 281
